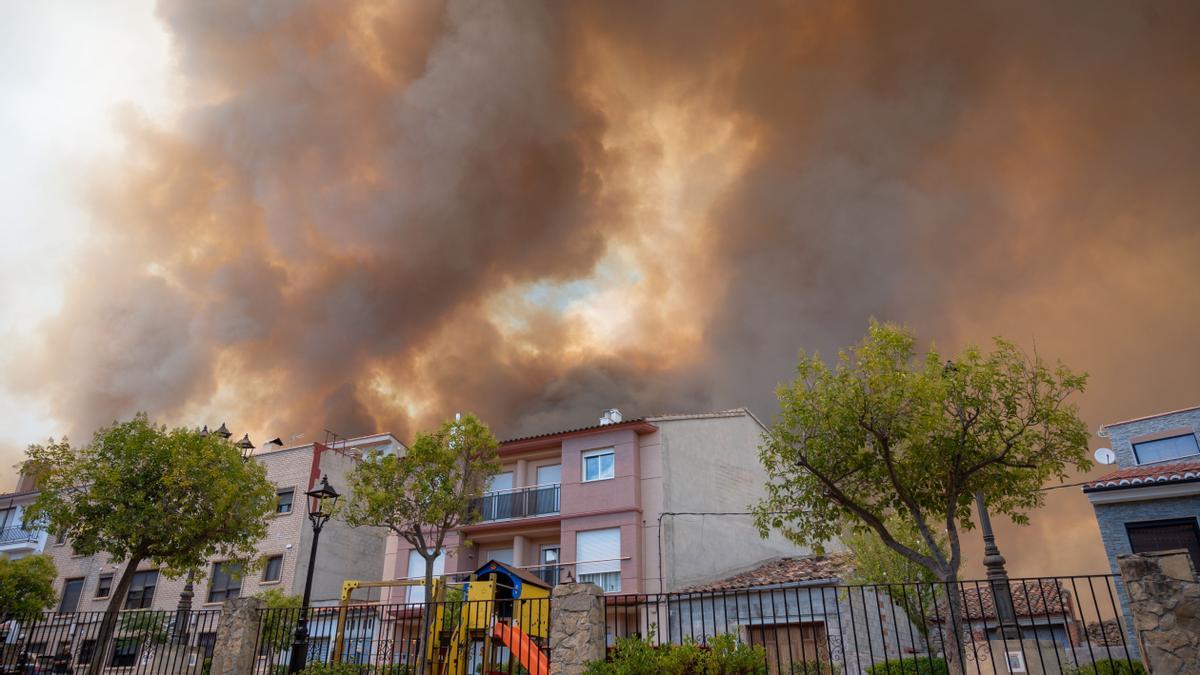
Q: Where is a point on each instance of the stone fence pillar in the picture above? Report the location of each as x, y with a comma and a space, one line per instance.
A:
237, 635
1164, 599
577, 628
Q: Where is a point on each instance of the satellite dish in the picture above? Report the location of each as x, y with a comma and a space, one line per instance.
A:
1105, 456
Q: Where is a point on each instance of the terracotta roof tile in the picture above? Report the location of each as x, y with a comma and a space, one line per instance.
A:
615, 425
783, 571
1146, 475
1034, 598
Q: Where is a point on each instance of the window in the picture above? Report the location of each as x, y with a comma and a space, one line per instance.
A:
125, 653
207, 643
1166, 535
598, 465
501, 482
72, 589
104, 586
318, 650
549, 474
416, 570
274, 568
283, 501
86, 649
599, 553
1016, 662
1163, 449
141, 590
226, 582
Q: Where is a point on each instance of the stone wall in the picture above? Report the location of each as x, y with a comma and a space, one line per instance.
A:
577, 628
1164, 599
237, 635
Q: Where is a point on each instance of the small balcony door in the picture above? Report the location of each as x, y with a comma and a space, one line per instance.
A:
548, 559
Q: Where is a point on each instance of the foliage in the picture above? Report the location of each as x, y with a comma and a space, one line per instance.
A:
147, 627
815, 668
916, 665
724, 655
1109, 667
428, 492
884, 436
355, 669
140, 491
911, 586
26, 586
278, 624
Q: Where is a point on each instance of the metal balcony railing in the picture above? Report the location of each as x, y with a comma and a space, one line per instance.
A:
528, 502
18, 535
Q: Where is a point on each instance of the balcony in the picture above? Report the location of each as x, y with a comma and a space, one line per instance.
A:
528, 502
19, 539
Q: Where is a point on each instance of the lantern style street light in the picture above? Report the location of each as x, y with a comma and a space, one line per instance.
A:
184, 607
321, 503
997, 575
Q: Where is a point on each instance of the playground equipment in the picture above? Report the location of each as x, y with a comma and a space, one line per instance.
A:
502, 612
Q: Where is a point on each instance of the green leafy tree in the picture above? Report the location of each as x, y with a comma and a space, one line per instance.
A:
26, 587
910, 585
141, 492
279, 622
428, 492
886, 436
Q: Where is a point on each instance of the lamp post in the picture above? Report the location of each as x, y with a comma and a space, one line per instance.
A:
184, 608
997, 575
321, 504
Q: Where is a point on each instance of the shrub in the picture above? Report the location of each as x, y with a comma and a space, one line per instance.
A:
724, 655
1109, 667
917, 665
815, 668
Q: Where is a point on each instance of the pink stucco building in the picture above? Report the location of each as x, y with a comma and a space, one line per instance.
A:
635, 506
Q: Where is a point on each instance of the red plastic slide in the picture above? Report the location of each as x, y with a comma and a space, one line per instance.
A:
522, 648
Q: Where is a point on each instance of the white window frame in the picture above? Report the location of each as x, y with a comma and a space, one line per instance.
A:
597, 453
416, 594
588, 566
1020, 662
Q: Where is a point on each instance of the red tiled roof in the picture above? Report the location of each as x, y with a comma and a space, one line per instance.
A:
1146, 475
617, 425
783, 571
1107, 633
1043, 597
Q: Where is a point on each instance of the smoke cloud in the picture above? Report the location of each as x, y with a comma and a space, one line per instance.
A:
375, 214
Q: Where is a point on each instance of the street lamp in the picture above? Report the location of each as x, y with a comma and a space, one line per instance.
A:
997, 576
321, 503
184, 607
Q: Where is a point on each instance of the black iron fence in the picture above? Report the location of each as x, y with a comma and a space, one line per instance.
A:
144, 641
1059, 625
527, 502
492, 636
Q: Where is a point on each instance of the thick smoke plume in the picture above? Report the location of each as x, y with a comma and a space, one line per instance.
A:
375, 214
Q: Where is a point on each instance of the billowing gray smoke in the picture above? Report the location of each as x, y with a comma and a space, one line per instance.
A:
356, 223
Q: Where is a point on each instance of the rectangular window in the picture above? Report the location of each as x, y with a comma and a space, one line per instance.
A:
598, 554
1166, 535
206, 642
416, 570
141, 590
598, 465
125, 653
1164, 449
72, 589
283, 501
226, 582
86, 649
273, 571
104, 586
1016, 662
549, 475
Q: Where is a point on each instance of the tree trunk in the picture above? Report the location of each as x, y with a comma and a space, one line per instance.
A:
426, 613
108, 624
954, 637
